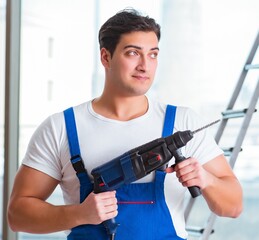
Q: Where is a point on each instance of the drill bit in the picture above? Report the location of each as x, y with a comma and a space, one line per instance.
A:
206, 126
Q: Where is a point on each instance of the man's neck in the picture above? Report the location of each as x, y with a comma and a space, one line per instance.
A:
121, 108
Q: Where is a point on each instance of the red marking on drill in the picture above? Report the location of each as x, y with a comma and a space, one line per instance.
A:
101, 184
158, 158
136, 202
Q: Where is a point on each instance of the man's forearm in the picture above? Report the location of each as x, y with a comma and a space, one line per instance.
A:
224, 196
28, 214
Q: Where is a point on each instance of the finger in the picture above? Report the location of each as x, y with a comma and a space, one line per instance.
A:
182, 164
110, 202
191, 183
185, 170
110, 215
188, 179
105, 195
107, 212
169, 170
111, 208
184, 178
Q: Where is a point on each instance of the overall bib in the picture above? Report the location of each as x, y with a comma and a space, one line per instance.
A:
142, 210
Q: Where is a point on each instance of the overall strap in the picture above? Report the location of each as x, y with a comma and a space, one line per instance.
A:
74, 148
72, 132
169, 120
168, 129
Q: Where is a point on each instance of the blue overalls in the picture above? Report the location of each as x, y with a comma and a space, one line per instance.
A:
142, 210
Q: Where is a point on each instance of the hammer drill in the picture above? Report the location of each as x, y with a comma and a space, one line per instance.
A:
138, 163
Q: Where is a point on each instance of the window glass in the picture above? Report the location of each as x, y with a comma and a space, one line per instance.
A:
2, 100
56, 66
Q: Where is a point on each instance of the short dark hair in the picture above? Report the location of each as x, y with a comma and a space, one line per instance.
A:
125, 21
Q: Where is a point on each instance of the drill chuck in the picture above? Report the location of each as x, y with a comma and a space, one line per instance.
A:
178, 140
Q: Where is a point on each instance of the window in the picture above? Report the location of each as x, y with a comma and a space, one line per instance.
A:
55, 63
2, 100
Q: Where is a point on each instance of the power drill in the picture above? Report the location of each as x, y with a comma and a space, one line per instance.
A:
138, 163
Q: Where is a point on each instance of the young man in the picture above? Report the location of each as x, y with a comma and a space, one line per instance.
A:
122, 118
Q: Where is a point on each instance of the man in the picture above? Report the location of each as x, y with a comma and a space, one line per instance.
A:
122, 118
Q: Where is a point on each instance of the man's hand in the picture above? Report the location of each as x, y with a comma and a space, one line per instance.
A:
28, 201
220, 187
99, 207
190, 173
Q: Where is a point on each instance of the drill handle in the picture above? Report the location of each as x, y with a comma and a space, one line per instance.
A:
194, 190
111, 227
110, 224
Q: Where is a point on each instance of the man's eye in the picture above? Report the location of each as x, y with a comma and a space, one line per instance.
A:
132, 53
153, 55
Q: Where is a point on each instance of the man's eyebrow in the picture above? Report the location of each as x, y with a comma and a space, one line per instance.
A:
138, 47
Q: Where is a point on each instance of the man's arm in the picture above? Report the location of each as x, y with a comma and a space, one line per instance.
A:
28, 210
218, 184
221, 189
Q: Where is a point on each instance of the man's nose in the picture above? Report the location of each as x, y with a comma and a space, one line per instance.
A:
142, 64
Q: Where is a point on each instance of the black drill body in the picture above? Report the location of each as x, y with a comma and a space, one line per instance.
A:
138, 163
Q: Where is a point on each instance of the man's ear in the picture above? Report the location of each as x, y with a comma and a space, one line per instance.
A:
105, 57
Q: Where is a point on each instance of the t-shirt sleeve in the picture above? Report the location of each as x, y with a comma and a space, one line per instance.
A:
203, 145
43, 150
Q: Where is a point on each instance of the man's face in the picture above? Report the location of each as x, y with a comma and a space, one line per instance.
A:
133, 65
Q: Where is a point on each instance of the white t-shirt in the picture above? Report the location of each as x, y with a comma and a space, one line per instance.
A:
102, 139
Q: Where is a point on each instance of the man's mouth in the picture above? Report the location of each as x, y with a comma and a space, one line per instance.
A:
141, 77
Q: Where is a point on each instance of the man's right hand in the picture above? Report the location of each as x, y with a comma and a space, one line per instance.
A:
99, 207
